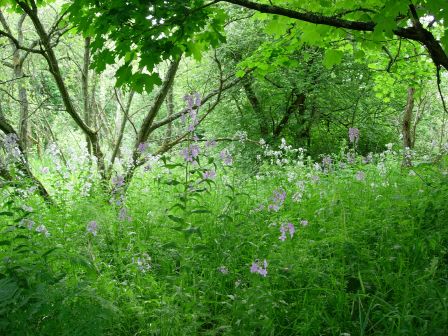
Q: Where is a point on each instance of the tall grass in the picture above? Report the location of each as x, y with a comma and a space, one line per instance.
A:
368, 255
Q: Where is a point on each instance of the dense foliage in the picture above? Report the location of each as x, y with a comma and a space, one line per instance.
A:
226, 167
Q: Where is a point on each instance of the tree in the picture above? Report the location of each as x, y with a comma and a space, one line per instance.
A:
146, 34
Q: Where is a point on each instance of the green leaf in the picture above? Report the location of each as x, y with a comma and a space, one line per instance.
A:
44, 255
200, 211
332, 57
192, 230
178, 205
445, 40
6, 213
172, 182
195, 50
172, 165
310, 35
278, 26
240, 73
176, 219
8, 289
359, 54
84, 263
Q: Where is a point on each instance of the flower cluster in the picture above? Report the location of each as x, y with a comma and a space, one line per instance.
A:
43, 230
190, 153
284, 155
11, 143
92, 227
285, 228
223, 269
353, 135
142, 147
226, 157
28, 223
297, 197
241, 135
278, 199
117, 182
257, 268
360, 176
193, 103
143, 262
210, 143
119, 199
209, 174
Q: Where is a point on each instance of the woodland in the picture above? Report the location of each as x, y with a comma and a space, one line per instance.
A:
223, 167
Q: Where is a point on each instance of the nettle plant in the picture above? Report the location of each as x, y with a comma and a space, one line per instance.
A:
192, 172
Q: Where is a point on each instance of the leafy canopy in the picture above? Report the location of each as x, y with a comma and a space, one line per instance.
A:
138, 35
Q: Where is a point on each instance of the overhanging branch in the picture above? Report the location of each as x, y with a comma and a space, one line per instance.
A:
417, 32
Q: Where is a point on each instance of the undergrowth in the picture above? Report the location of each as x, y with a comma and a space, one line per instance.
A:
350, 246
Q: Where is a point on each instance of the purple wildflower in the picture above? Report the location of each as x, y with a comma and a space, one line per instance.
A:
226, 157
190, 153
189, 100
223, 270
273, 207
360, 176
42, 229
263, 272
353, 134
210, 143
197, 99
123, 215
304, 222
291, 229
118, 181
143, 262
209, 175
368, 158
351, 158
28, 223
283, 233
193, 103
142, 147
92, 228
279, 196
278, 199
27, 208
286, 228
326, 161
193, 124
256, 268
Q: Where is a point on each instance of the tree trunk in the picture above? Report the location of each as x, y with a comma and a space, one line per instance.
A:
145, 129
21, 164
256, 106
120, 127
170, 110
53, 65
17, 66
297, 104
406, 127
85, 89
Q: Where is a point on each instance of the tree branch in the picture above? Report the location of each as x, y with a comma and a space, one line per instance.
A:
416, 33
